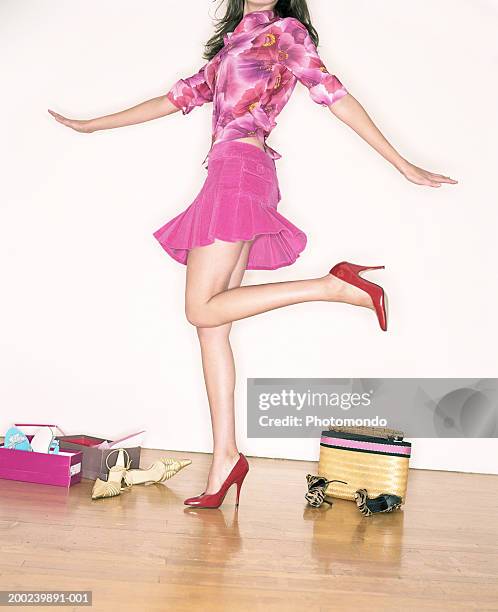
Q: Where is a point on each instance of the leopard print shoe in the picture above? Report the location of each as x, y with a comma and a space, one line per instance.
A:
317, 486
385, 502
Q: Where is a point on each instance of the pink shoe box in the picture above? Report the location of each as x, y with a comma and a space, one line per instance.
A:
62, 470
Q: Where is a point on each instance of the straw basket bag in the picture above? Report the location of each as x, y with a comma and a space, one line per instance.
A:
371, 458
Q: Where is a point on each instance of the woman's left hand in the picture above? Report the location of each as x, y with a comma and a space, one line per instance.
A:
419, 176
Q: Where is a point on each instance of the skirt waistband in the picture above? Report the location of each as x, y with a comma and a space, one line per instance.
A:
234, 148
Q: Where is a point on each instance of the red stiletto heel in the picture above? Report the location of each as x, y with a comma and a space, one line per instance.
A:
214, 500
350, 273
239, 487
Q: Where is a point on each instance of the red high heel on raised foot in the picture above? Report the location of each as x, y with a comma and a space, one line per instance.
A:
214, 500
350, 273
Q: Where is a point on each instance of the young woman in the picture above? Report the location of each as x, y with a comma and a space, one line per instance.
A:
259, 51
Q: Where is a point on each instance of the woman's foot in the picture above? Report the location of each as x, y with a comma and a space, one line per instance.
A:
236, 477
350, 273
221, 466
337, 290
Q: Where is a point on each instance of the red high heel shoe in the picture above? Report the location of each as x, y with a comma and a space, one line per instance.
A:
214, 500
350, 273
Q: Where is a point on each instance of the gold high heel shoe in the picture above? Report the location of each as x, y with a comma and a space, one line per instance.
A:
159, 471
117, 472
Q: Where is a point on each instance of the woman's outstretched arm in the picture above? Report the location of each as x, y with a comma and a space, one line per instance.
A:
352, 113
145, 111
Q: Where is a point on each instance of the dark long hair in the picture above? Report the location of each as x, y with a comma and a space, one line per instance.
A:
235, 12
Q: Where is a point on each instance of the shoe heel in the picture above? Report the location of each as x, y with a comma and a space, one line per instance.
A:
239, 487
342, 269
356, 269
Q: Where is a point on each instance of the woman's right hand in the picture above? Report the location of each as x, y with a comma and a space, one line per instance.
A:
154, 108
80, 125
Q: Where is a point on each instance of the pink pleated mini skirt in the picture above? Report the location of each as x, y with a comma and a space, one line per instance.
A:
238, 201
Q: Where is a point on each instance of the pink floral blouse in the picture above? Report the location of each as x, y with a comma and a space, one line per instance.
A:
253, 76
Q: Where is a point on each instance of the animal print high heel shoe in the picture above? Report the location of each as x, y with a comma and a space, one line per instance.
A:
386, 502
350, 273
316, 490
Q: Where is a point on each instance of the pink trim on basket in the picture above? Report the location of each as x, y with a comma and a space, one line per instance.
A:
371, 446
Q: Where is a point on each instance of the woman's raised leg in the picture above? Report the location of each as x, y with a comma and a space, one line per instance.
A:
209, 302
213, 299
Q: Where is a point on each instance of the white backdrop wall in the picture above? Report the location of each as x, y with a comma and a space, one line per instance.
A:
93, 333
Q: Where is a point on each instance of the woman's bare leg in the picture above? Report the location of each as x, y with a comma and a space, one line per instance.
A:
219, 375
209, 303
216, 271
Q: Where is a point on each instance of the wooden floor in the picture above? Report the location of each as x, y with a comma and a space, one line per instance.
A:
146, 551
